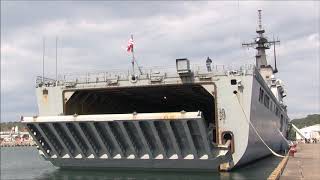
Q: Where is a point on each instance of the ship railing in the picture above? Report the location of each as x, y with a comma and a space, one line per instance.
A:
157, 73
44, 81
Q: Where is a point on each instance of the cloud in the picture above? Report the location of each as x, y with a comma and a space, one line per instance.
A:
92, 36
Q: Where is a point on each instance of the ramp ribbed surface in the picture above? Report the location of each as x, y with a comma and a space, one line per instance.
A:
132, 139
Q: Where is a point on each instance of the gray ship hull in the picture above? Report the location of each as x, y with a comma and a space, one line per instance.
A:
181, 140
267, 124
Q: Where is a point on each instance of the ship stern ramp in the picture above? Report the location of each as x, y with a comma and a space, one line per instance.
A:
175, 140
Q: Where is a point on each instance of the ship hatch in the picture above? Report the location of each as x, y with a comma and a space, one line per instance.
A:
150, 99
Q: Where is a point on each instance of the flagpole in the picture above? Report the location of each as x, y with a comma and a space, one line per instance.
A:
133, 58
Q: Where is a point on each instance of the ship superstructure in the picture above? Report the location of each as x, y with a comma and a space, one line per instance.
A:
200, 118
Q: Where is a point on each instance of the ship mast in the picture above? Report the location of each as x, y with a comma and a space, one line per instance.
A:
261, 43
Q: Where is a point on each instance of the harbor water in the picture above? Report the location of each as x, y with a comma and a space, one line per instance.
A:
24, 163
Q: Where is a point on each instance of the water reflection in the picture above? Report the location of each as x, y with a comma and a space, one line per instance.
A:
258, 170
26, 164
127, 175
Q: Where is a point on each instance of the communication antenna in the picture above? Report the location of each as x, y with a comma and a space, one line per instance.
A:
261, 44
43, 53
259, 19
275, 56
56, 59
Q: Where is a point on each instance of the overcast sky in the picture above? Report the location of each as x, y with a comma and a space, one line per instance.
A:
93, 35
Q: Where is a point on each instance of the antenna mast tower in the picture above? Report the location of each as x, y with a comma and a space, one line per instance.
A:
261, 43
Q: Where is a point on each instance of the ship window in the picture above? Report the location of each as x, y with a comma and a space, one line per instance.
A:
266, 101
261, 95
45, 92
233, 81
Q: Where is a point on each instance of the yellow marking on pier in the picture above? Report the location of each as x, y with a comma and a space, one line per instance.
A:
279, 169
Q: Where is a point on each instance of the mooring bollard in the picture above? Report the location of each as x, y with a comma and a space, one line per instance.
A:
292, 150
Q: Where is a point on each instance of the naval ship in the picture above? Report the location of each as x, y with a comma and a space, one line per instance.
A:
192, 118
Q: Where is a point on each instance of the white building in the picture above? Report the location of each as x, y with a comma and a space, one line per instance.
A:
310, 132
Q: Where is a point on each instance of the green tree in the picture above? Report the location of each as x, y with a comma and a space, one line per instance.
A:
310, 120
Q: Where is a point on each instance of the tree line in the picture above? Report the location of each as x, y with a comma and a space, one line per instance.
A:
310, 120
7, 126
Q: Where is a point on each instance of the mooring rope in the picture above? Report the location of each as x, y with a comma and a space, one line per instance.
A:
255, 130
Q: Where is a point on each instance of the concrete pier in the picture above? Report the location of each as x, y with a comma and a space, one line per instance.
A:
305, 164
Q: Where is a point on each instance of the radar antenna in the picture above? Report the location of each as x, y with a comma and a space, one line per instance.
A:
261, 43
259, 22
275, 57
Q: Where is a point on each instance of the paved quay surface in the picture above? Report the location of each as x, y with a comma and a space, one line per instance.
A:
305, 164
